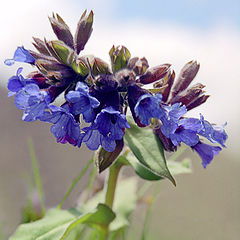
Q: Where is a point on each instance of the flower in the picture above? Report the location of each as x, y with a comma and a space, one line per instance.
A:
186, 132
93, 139
215, 134
82, 102
16, 83
206, 152
170, 118
111, 123
32, 101
20, 55
65, 128
147, 107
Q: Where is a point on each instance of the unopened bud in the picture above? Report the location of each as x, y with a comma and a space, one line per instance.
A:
154, 74
187, 74
139, 66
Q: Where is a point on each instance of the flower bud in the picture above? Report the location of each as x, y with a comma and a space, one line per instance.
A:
154, 74
187, 74
119, 57
84, 31
125, 78
61, 30
139, 66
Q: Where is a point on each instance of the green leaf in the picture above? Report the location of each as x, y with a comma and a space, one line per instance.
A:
100, 218
52, 226
148, 149
146, 173
122, 207
59, 224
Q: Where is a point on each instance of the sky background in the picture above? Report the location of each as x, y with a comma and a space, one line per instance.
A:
164, 32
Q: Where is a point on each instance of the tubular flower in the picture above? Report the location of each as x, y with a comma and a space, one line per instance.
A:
101, 94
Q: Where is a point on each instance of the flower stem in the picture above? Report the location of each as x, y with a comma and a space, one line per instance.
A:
111, 184
76, 180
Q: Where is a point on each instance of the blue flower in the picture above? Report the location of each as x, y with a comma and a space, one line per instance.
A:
186, 132
111, 123
82, 102
65, 128
16, 83
215, 134
20, 55
170, 118
93, 139
32, 101
147, 107
206, 152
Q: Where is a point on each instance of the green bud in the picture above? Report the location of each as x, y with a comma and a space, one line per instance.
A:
119, 57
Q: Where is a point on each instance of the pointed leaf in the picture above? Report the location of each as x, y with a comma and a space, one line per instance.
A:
100, 218
147, 149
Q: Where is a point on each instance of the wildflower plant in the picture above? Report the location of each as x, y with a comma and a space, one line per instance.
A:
130, 114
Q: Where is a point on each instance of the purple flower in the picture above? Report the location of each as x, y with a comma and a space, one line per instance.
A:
186, 132
82, 102
171, 117
111, 123
214, 133
65, 128
147, 107
20, 55
16, 83
206, 152
93, 139
32, 101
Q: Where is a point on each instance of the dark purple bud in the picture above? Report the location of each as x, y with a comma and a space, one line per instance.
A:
139, 66
55, 91
40, 46
166, 142
167, 89
154, 74
119, 57
106, 159
125, 78
61, 30
188, 95
187, 74
105, 83
83, 32
39, 79
197, 102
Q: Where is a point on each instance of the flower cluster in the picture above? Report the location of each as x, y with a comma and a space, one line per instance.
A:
100, 95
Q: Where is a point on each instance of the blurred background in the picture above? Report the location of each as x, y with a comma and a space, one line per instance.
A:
205, 204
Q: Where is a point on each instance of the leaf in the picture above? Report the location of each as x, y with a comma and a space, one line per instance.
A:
123, 206
146, 173
58, 224
52, 226
148, 149
101, 217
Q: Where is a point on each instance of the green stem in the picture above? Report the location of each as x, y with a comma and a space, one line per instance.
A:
36, 173
76, 180
111, 184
